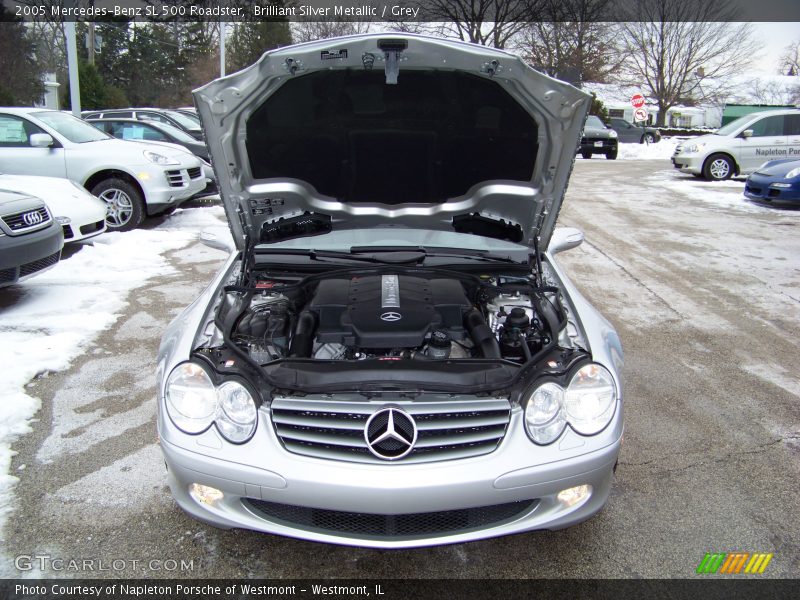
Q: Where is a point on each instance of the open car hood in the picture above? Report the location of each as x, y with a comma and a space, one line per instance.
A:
391, 130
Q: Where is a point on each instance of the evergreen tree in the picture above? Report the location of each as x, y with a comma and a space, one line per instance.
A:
20, 74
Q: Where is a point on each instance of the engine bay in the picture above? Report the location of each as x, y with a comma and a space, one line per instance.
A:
405, 314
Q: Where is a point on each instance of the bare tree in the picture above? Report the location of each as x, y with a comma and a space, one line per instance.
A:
769, 91
790, 59
674, 44
573, 41
308, 31
487, 22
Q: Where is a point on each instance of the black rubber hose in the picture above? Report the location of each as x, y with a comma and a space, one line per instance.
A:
481, 334
303, 340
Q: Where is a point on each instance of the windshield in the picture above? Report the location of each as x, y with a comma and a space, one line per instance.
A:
734, 125
593, 121
186, 120
176, 133
73, 129
343, 240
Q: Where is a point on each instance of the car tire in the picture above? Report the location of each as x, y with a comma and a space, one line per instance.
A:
586, 154
125, 205
612, 154
718, 167
648, 138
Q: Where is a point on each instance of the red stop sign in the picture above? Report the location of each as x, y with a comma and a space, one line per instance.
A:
637, 100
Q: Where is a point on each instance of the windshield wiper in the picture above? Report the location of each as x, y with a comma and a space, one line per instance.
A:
339, 255
438, 252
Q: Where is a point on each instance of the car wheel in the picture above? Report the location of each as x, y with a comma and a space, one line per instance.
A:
648, 138
586, 154
718, 167
611, 154
124, 204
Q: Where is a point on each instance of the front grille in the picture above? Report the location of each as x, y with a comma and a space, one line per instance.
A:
8, 275
175, 178
68, 234
412, 525
195, 172
38, 265
17, 222
334, 428
752, 190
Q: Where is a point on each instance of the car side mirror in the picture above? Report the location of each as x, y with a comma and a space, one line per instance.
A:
747, 133
565, 238
41, 140
218, 238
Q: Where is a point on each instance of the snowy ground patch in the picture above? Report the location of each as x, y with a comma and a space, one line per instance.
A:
662, 150
51, 319
726, 194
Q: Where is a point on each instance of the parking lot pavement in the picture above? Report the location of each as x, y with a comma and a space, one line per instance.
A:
703, 289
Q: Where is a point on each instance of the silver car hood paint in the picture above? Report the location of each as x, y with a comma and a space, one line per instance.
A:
225, 104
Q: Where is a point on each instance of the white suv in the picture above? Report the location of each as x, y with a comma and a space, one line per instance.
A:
135, 179
741, 146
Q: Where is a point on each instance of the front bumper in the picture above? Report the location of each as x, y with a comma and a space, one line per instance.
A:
24, 256
688, 163
762, 189
349, 494
166, 186
598, 145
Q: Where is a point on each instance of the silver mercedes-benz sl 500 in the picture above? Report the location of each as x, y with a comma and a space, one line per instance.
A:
391, 356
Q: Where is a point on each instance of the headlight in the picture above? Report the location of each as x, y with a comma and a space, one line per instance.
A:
191, 398
692, 148
159, 159
194, 403
612, 134
792, 174
587, 405
237, 414
544, 413
590, 399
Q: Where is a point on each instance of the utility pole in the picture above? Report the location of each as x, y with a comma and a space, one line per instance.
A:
72, 67
222, 27
90, 44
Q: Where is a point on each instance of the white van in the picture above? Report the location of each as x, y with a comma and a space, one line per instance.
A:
741, 146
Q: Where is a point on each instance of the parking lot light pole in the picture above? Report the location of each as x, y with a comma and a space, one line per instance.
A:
72, 67
222, 28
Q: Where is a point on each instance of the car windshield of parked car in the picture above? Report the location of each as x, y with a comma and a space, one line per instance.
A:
593, 121
733, 126
177, 134
73, 129
184, 119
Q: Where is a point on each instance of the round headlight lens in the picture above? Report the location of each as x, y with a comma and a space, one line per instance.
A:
544, 413
191, 398
237, 413
590, 399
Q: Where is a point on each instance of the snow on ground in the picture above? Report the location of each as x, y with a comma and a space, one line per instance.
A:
49, 320
660, 150
726, 194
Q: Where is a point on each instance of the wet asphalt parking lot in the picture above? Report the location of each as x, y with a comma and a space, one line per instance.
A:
705, 294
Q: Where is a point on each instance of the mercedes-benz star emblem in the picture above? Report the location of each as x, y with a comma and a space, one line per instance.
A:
32, 218
390, 433
391, 316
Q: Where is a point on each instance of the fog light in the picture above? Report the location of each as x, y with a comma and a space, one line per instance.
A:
206, 495
781, 185
574, 495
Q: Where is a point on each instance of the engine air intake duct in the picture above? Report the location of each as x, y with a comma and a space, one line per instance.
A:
481, 334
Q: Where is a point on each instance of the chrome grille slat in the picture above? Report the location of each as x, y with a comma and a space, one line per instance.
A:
332, 427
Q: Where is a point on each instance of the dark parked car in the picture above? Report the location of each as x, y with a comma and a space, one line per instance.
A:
155, 131
185, 122
30, 238
775, 182
597, 139
628, 132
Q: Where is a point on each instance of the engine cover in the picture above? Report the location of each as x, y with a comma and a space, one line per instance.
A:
387, 311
